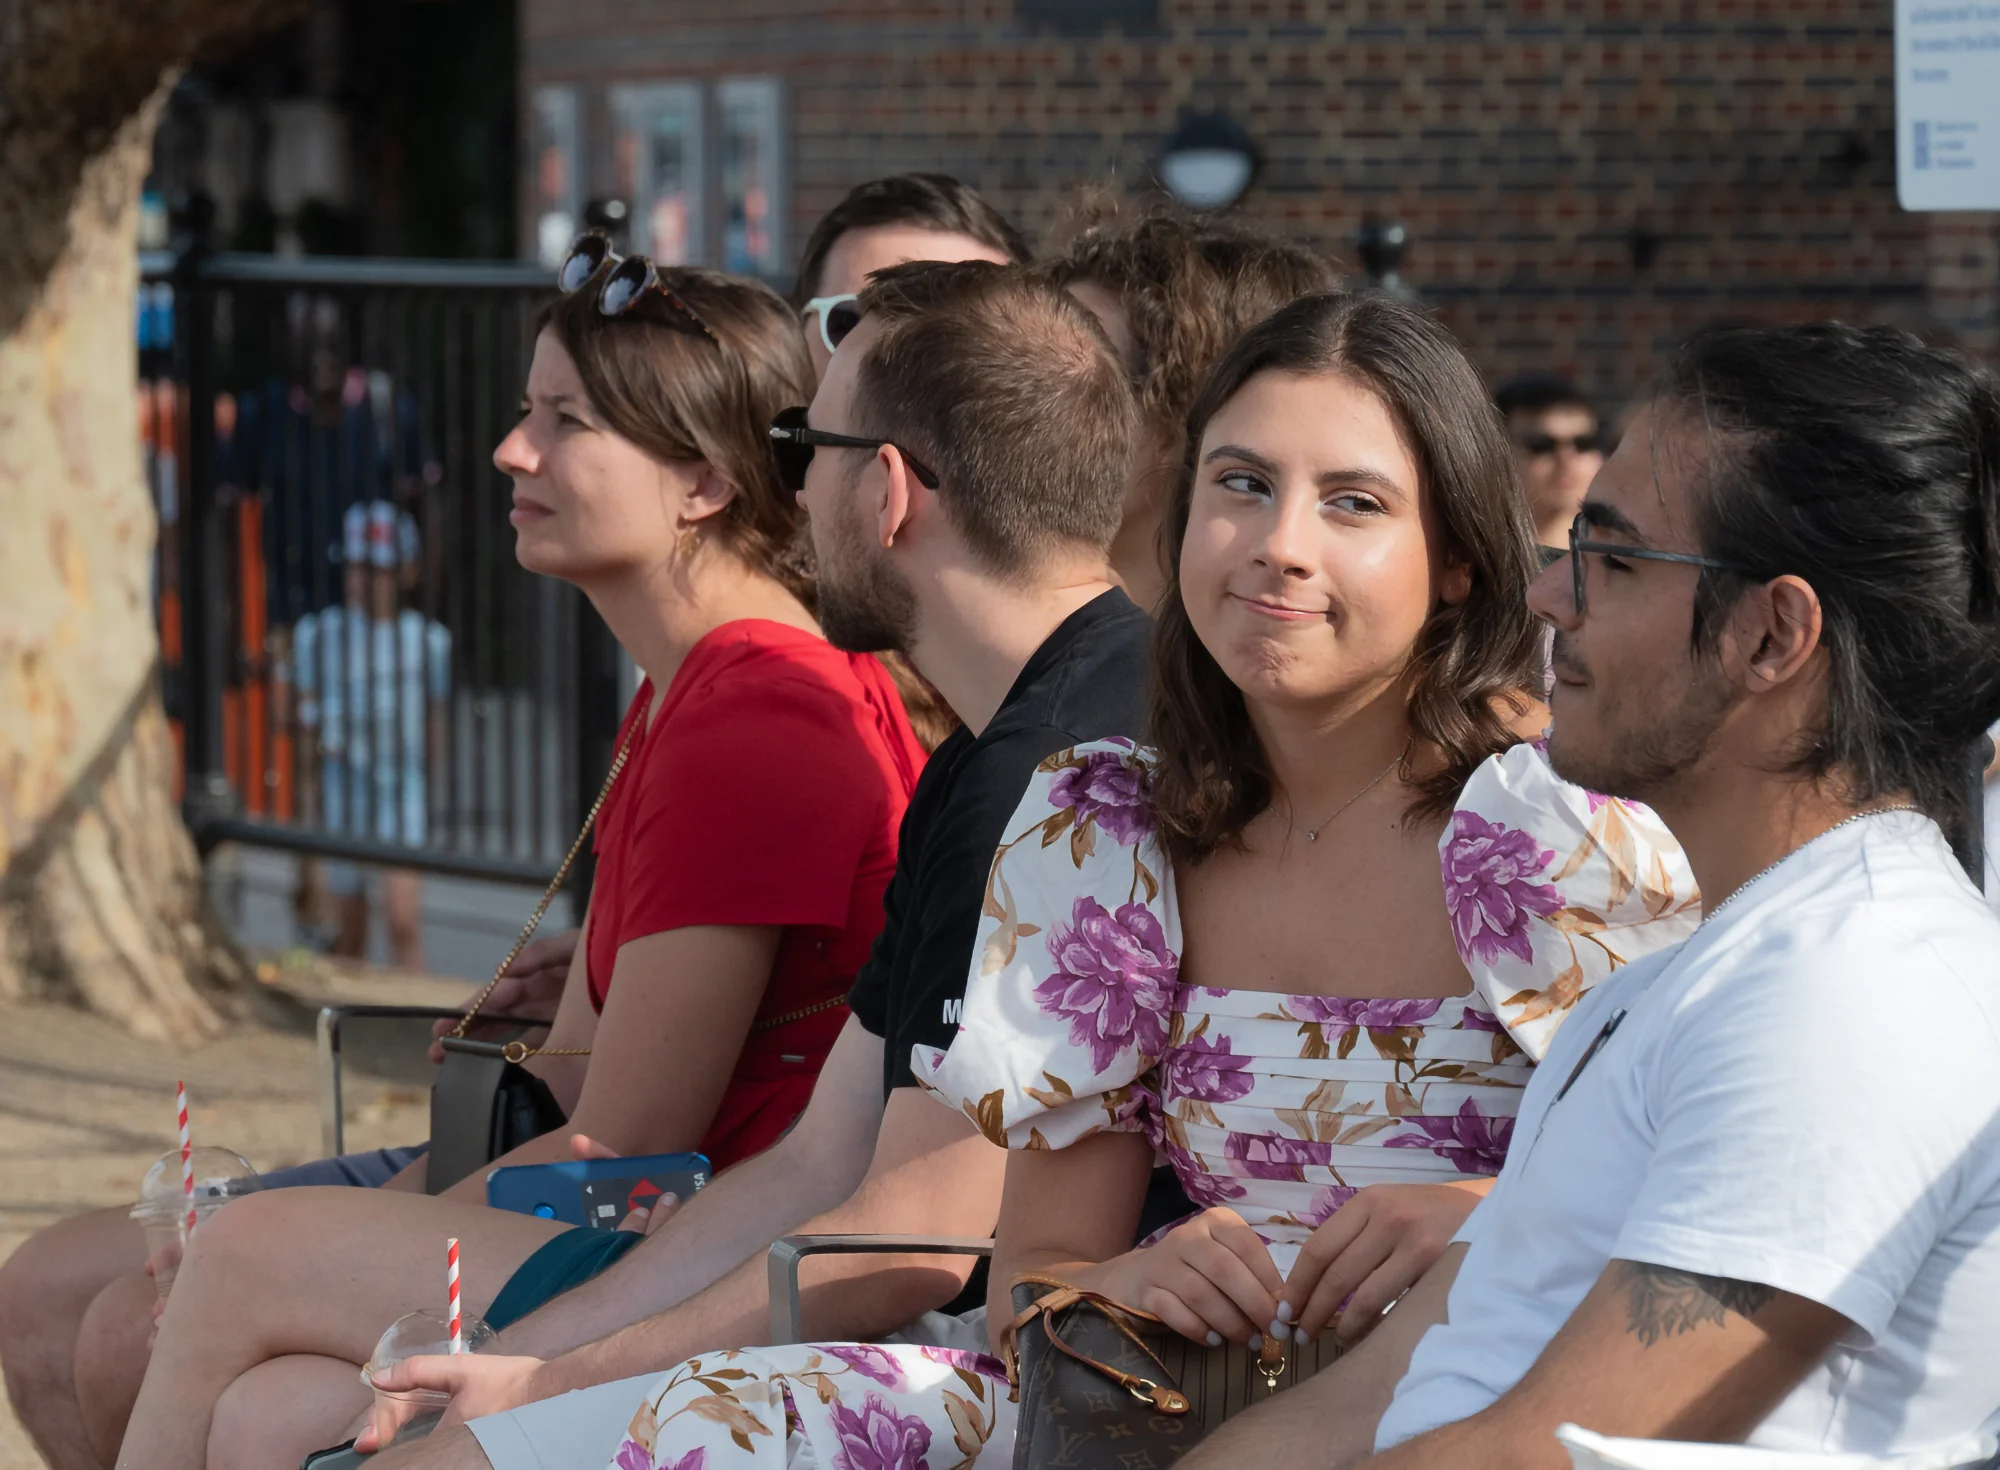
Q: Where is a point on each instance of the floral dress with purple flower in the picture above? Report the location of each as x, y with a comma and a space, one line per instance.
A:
1281, 1107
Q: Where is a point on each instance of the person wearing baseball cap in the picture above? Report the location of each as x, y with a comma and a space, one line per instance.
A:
373, 678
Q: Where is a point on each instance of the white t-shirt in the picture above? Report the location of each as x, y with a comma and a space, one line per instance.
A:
1805, 1094
1993, 843
367, 683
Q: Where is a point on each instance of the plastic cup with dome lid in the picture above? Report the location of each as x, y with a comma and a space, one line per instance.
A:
401, 1416
165, 1205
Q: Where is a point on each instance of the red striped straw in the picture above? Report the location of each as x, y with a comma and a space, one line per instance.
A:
451, 1292
187, 1151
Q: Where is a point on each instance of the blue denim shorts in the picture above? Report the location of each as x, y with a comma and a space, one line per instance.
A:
369, 1170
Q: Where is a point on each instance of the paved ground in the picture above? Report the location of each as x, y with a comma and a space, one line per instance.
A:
467, 925
85, 1108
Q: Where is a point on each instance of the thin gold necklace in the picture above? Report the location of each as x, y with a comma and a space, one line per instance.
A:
1312, 833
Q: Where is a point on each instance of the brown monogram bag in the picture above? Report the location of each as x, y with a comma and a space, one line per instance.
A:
1104, 1386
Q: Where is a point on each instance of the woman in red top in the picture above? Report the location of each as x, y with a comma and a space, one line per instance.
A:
764, 796
742, 858
745, 846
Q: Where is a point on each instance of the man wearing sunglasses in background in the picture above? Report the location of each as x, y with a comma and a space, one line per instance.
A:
1557, 447
886, 222
964, 466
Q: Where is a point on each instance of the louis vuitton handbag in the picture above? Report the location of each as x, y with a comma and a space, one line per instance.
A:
1100, 1383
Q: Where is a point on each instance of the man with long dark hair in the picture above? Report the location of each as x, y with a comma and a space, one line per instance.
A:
1754, 1193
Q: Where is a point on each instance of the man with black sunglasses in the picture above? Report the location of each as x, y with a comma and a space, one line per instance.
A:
1557, 447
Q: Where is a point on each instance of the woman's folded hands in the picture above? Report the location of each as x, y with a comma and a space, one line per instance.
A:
1212, 1278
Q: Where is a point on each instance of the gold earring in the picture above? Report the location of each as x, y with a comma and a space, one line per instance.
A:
689, 539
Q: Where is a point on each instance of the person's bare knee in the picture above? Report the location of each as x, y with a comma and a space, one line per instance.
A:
46, 1287
448, 1449
112, 1347
281, 1411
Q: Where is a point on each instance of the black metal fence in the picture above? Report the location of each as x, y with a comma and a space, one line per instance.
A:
355, 663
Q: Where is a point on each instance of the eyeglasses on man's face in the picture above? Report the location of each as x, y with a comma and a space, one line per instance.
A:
838, 316
1581, 546
794, 441
631, 279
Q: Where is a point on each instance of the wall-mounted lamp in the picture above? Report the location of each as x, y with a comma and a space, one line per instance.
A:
1381, 244
611, 215
1209, 161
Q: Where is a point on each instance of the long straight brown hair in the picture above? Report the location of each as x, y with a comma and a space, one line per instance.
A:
1470, 659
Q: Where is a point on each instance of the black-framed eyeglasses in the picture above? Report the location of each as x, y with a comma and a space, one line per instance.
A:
1539, 443
1579, 547
630, 280
794, 441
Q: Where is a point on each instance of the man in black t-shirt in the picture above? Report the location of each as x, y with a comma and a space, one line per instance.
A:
964, 464
1084, 682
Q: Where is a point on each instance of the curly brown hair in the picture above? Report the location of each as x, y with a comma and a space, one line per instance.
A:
1190, 287
1471, 660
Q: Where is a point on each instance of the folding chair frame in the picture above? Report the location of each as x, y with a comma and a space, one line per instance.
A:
332, 1122
782, 1265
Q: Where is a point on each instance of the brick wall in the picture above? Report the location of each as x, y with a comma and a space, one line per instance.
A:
1582, 181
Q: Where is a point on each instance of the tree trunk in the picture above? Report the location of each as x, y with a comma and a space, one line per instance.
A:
101, 900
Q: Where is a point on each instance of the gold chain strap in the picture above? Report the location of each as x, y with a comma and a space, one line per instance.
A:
518, 1051
817, 1008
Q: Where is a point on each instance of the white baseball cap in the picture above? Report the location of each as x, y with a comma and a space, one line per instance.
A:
376, 534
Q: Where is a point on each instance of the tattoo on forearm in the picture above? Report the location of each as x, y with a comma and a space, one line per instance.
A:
1662, 1302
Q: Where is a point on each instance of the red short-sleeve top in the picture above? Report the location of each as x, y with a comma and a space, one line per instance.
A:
768, 790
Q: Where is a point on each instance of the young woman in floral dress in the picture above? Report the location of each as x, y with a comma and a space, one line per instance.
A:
1306, 945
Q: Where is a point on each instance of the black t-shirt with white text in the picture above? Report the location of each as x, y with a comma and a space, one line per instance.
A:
1086, 682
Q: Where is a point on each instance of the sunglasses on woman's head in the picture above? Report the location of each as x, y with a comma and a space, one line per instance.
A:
793, 441
631, 279
838, 315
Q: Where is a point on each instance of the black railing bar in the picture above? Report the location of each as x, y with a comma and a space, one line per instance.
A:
451, 455
310, 842
486, 672
360, 271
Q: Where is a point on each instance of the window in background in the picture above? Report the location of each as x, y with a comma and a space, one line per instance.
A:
558, 144
657, 163
752, 189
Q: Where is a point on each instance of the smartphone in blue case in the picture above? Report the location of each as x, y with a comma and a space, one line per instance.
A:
595, 1192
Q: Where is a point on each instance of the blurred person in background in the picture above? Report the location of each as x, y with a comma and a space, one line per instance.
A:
887, 222
1558, 446
373, 680
1173, 293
